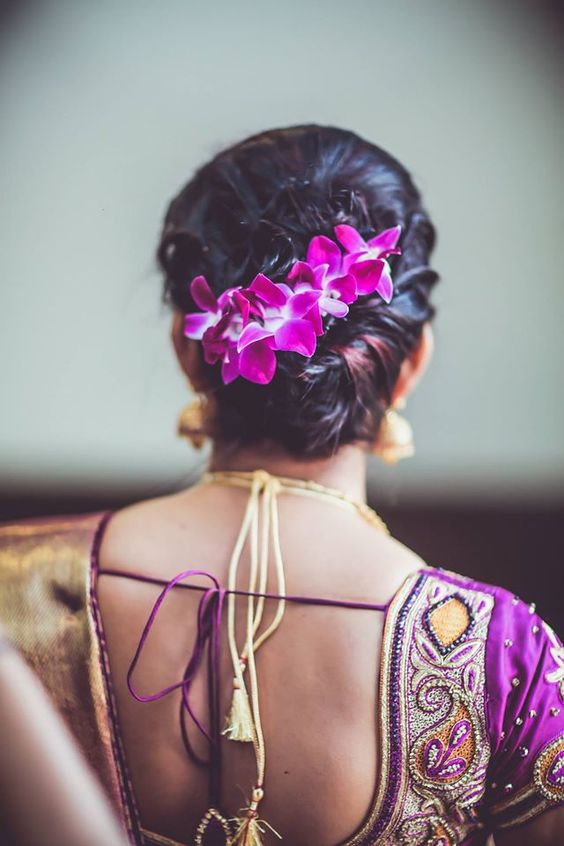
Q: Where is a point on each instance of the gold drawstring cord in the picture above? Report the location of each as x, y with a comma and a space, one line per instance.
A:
302, 487
244, 720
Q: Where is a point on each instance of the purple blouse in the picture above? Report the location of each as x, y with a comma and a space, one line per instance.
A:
470, 709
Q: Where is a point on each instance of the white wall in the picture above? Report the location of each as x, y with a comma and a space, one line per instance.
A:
108, 107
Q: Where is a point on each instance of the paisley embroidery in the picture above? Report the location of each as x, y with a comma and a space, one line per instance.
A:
443, 757
557, 652
549, 770
434, 737
432, 829
438, 762
448, 740
555, 773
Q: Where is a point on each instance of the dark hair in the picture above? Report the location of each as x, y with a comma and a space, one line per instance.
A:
254, 207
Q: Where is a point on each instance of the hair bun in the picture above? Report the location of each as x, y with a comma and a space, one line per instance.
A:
179, 249
257, 205
271, 248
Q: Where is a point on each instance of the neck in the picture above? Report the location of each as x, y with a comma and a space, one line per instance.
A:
345, 471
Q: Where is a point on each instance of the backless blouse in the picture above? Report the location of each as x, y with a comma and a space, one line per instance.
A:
470, 704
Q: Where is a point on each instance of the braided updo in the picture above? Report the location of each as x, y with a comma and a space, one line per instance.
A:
255, 207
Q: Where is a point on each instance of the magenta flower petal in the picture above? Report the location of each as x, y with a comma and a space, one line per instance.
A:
257, 363
214, 343
353, 258
286, 290
202, 294
243, 304
267, 291
196, 323
300, 303
256, 305
320, 274
323, 250
296, 336
301, 274
333, 306
224, 299
367, 275
230, 365
345, 286
314, 317
351, 240
386, 240
251, 334
385, 286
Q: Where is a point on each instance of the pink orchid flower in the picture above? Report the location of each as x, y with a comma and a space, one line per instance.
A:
366, 260
196, 323
285, 325
244, 327
218, 326
322, 271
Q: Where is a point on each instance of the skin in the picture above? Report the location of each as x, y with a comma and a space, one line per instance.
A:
47, 790
321, 741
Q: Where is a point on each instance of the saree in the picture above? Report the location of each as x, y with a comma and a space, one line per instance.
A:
470, 708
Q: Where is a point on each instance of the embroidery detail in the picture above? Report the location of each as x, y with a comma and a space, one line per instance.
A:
431, 829
557, 652
441, 760
548, 773
394, 782
448, 740
449, 622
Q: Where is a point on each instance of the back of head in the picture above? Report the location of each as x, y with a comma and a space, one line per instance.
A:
254, 208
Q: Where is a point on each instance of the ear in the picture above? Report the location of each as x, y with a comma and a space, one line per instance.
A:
189, 353
414, 365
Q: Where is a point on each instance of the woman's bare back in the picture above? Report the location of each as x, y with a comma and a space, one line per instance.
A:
318, 674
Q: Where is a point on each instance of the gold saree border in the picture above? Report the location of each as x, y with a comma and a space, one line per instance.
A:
128, 804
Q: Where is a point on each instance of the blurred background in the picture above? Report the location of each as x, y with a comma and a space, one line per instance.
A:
108, 107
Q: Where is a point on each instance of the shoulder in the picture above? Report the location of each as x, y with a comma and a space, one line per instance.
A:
139, 534
510, 619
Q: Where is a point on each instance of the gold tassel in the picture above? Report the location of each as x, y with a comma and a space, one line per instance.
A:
249, 829
248, 832
239, 723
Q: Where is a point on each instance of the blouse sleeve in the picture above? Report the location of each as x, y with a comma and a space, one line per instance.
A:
525, 710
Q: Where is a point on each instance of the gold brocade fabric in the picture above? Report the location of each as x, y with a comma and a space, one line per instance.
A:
45, 608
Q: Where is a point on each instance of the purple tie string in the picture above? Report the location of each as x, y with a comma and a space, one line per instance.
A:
209, 615
208, 634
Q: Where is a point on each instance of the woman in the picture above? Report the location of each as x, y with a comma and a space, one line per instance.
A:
263, 659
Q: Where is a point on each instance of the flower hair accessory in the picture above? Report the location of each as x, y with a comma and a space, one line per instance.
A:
245, 327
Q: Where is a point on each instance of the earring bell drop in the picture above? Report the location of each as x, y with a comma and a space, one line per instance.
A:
395, 436
191, 422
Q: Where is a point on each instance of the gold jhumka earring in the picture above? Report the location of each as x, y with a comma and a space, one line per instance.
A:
191, 422
395, 436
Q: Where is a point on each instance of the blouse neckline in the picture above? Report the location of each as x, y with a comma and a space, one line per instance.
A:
380, 805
